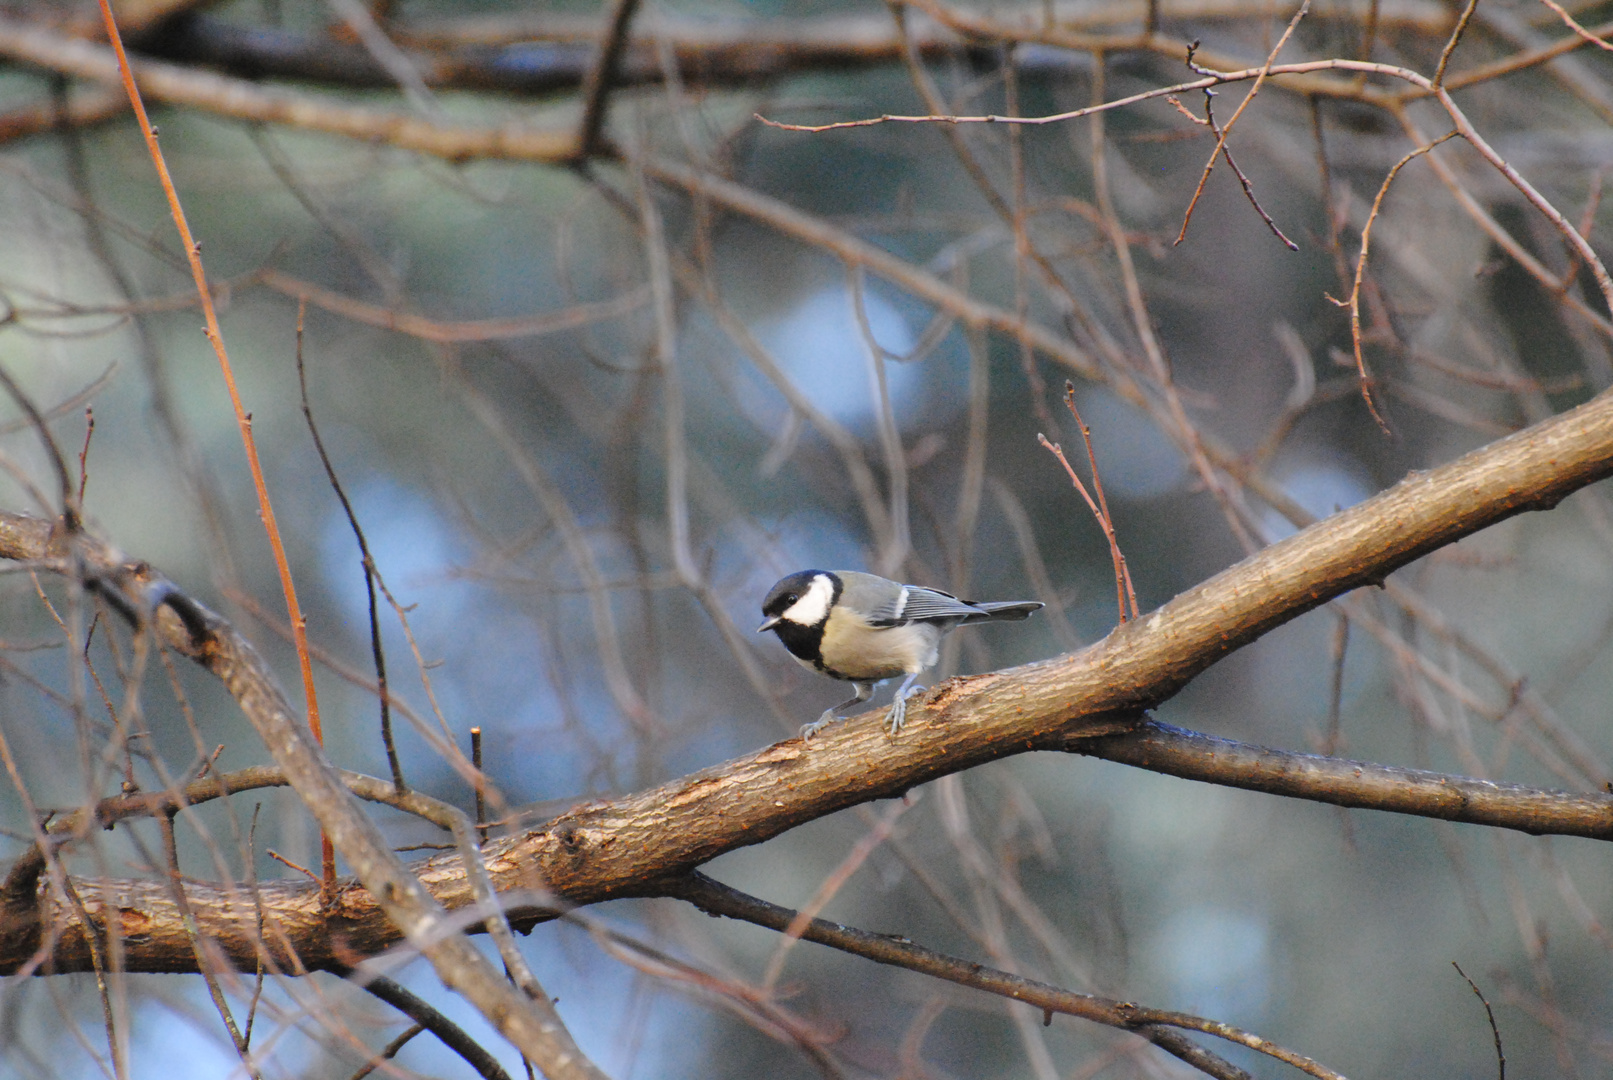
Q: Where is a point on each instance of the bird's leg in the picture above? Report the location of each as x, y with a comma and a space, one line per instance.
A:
899, 707
865, 690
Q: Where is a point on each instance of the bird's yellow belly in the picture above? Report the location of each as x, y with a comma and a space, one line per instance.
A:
880, 654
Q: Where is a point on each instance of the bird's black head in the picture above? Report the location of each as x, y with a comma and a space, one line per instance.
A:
802, 599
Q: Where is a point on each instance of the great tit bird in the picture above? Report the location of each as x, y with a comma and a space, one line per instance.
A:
864, 629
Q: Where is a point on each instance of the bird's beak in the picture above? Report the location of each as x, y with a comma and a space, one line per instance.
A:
768, 625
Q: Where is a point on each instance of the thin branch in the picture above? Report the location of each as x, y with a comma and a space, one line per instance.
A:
204, 962
1035, 566
388, 1052
1574, 25
1455, 39
552, 500
1122, 575
894, 552
1123, 572
243, 420
446, 332
481, 783
393, 60
854, 859
1243, 180
245, 101
1152, 1024
1489, 1014
601, 76
1354, 302
757, 1007
366, 564
66, 489
1169, 413
1226, 131
428, 1018
1162, 748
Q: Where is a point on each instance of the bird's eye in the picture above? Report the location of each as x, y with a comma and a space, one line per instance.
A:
790, 598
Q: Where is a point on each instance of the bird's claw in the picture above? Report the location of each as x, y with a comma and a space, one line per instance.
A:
898, 715
809, 730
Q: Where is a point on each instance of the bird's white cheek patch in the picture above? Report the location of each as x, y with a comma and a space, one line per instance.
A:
813, 607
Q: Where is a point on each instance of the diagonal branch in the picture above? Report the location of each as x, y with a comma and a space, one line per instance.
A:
602, 74
715, 898
632, 845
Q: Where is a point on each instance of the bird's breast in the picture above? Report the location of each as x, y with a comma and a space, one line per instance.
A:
866, 654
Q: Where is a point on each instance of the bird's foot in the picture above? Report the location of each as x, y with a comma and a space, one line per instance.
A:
898, 715
809, 730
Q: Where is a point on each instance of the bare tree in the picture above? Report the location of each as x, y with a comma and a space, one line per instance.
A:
537, 346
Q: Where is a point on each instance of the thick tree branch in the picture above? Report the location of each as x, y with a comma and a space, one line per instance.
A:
226, 96
544, 52
1191, 755
631, 846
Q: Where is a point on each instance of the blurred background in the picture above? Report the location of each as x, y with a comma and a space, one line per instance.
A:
578, 514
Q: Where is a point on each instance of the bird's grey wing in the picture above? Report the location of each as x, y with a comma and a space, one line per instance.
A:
917, 604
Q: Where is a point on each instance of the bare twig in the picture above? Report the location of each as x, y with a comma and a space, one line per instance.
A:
66, 489
215, 337
481, 787
553, 502
388, 1052
1354, 302
1243, 180
1225, 132
84, 453
386, 53
1105, 518
1455, 39
430, 1019
366, 564
573, 317
290, 865
206, 964
597, 85
1574, 25
893, 553
1489, 1014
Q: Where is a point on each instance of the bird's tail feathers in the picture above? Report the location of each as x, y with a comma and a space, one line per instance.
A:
1004, 610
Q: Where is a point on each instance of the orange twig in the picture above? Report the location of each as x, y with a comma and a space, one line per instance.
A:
1354, 303
279, 858
243, 419
1122, 570
1124, 591
84, 454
